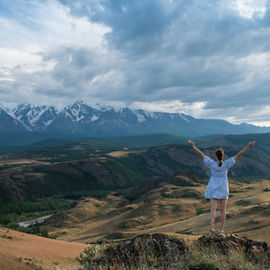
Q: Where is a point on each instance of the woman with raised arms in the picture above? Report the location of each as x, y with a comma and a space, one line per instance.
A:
218, 189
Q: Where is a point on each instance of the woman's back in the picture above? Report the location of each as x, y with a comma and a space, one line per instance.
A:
216, 170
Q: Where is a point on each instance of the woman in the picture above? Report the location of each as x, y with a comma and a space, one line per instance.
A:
217, 188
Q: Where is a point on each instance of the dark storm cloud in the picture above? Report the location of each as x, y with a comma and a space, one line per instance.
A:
191, 50
189, 28
75, 65
158, 50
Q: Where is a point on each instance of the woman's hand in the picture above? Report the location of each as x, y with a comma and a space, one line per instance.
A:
250, 144
191, 143
196, 149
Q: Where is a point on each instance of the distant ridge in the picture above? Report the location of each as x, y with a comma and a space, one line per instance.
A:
83, 120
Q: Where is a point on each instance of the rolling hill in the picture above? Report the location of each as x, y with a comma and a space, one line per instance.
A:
88, 165
174, 205
25, 252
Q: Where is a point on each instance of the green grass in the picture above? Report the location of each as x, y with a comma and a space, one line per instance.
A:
236, 191
187, 193
15, 212
162, 209
33, 229
203, 265
243, 203
200, 211
176, 209
97, 193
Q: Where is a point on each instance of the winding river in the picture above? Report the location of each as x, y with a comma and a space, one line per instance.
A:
30, 222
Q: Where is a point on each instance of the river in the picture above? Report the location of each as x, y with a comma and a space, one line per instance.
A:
29, 222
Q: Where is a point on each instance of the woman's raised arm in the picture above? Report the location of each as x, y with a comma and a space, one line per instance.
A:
250, 144
196, 149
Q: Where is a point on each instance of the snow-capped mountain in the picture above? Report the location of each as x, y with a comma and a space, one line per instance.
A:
7, 122
81, 119
34, 117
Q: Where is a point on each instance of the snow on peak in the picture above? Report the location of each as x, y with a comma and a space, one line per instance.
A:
184, 117
35, 117
139, 115
35, 113
94, 118
102, 107
77, 114
48, 122
150, 114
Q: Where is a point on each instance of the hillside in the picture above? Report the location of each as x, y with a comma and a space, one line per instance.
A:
21, 251
102, 191
146, 251
174, 205
262, 142
79, 167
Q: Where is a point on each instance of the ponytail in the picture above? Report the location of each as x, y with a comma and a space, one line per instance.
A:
219, 155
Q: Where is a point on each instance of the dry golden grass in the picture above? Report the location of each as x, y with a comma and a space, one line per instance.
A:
118, 153
115, 217
21, 162
122, 153
245, 220
93, 219
9, 263
19, 250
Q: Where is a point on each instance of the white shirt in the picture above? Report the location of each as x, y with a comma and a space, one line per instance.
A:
218, 184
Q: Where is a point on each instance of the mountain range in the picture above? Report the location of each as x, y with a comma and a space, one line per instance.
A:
83, 120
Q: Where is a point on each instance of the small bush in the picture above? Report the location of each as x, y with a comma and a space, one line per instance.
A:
236, 191
88, 256
6, 236
200, 211
243, 203
204, 265
176, 209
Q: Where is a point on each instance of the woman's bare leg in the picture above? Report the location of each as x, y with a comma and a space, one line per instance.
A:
223, 205
213, 213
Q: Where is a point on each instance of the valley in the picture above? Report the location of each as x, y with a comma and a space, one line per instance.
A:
168, 207
105, 190
86, 165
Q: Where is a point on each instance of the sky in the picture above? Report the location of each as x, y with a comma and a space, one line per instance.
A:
205, 58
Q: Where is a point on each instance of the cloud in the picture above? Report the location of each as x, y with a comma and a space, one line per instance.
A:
175, 49
31, 33
145, 52
196, 108
250, 8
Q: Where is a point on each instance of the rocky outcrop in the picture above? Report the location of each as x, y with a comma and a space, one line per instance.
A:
160, 251
155, 250
251, 248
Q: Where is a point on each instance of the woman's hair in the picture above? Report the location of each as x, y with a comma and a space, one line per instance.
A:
219, 155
